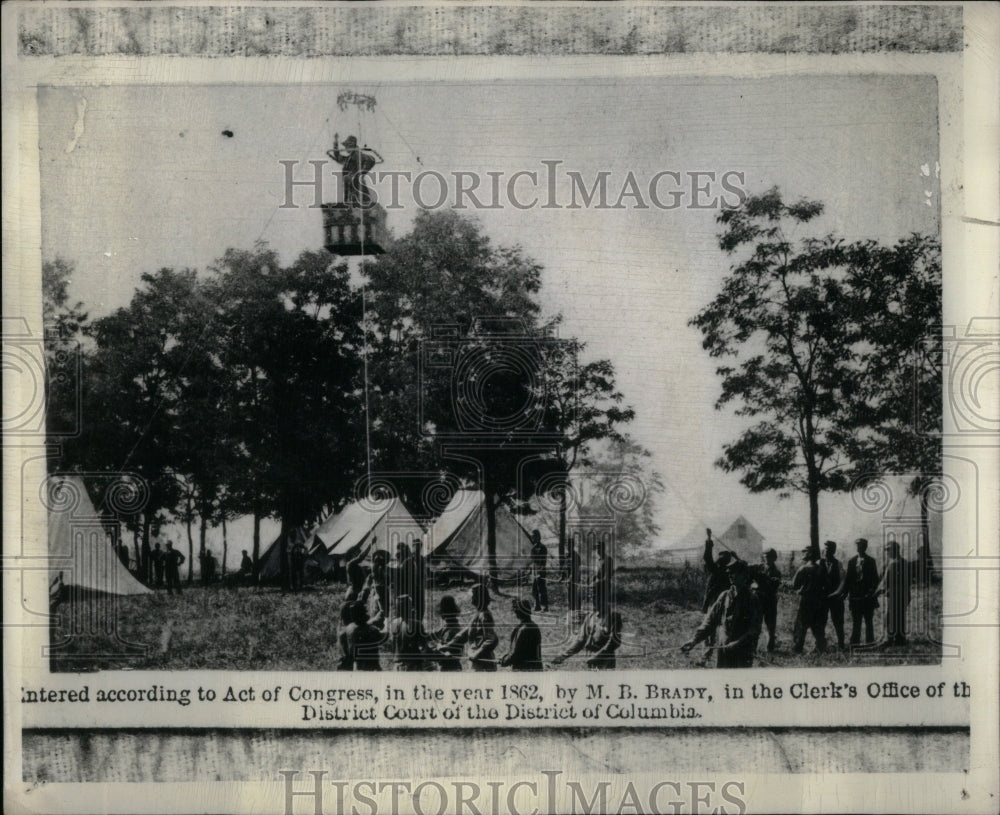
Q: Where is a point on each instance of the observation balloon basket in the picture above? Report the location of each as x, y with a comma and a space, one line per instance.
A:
352, 231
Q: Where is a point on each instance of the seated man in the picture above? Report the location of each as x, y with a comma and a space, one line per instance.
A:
480, 633
407, 637
525, 641
600, 635
447, 652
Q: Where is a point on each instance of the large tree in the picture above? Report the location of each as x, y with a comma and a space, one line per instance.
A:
786, 348
584, 405
64, 323
291, 340
894, 425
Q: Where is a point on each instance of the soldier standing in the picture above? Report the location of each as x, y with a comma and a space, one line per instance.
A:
859, 585
717, 580
896, 588
355, 163
539, 560
173, 561
833, 602
767, 579
157, 557
809, 584
737, 610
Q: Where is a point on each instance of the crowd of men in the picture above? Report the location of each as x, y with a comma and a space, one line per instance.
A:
741, 600
384, 609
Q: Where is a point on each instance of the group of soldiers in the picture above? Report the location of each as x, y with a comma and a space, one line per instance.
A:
742, 599
384, 611
157, 566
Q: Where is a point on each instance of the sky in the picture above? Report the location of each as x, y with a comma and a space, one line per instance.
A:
137, 178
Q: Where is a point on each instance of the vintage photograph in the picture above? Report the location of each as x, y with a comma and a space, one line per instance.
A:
494, 375
547, 407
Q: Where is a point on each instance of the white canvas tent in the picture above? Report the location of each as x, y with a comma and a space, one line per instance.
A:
742, 539
385, 520
81, 554
457, 540
740, 536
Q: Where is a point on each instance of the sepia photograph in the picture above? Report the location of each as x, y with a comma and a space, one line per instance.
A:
645, 387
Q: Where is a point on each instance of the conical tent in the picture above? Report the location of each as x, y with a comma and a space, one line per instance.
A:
80, 550
742, 539
458, 538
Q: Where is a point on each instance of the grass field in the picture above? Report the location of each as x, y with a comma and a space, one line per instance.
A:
220, 628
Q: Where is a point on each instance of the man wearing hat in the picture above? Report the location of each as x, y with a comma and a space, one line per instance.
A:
859, 586
355, 162
480, 633
767, 580
737, 611
525, 652
896, 588
833, 603
808, 584
447, 652
717, 579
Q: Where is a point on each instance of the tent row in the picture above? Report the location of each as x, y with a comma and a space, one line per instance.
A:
455, 543
81, 554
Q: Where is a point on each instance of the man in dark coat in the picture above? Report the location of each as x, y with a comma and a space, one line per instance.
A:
715, 571
172, 563
446, 651
480, 633
737, 612
896, 588
809, 584
600, 635
157, 556
833, 603
859, 586
525, 652
767, 580
539, 561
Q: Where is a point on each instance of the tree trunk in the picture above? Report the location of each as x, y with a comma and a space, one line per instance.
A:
202, 529
256, 539
190, 518
562, 531
926, 566
143, 561
225, 546
283, 556
812, 483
